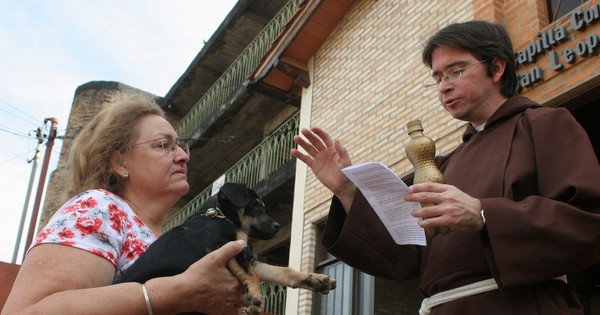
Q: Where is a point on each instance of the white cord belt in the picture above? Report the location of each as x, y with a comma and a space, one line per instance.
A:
461, 292
456, 293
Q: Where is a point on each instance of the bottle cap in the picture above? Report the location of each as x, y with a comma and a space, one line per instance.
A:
414, 125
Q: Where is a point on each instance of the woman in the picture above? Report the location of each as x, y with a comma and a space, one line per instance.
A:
128, 170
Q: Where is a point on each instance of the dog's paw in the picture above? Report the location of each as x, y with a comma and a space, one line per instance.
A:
316, 283
252, 310
254, 304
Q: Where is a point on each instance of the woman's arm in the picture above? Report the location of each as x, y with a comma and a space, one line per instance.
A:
57, 279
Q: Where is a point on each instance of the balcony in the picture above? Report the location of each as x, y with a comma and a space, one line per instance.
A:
231, 117
269, 162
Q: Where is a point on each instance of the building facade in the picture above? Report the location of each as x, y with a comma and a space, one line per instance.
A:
353, 67
366, 84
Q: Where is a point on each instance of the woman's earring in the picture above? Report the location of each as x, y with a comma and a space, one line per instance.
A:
126, 176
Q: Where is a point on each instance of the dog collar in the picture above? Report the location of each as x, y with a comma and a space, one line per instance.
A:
215, 213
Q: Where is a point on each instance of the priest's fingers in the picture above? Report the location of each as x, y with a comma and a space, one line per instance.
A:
315, 140
324, 137
424, 196
431, 187
429, 211
302, 157
343, 155
308, 147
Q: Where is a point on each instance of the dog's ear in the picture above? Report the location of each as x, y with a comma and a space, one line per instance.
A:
236, 193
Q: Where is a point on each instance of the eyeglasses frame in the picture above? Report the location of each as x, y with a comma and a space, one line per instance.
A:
445, 75
181, 143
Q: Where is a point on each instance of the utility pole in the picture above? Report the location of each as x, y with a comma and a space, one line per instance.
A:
40, 137
41, 181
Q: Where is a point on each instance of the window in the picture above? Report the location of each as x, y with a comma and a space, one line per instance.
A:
354, 291
353, 295
559, 8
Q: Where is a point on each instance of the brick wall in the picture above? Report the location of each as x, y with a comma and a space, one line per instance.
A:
367, 80
367, 85
575, 78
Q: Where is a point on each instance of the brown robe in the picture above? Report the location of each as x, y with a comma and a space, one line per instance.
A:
537, 177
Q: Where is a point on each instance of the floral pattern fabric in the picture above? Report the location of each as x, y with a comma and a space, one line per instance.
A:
102, 223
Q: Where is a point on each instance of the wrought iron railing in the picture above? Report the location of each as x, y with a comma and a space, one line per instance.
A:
267, 157
273, 298
264, 159
237, 73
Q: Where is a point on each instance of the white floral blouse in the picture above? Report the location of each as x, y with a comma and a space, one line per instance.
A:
102, 223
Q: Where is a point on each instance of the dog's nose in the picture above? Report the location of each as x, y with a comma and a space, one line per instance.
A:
276, 226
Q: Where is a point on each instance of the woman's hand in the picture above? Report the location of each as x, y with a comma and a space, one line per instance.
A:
209, 287
326, 157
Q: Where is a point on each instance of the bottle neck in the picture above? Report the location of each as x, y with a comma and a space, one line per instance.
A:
416, 133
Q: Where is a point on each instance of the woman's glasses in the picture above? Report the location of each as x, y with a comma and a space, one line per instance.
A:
168, 145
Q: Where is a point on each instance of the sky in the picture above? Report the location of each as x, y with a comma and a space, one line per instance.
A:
50, 47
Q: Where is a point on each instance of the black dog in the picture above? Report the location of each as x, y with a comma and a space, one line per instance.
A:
236, 212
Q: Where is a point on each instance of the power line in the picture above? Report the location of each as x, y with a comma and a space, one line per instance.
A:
17, 157
33, 120
14, 132
18, 134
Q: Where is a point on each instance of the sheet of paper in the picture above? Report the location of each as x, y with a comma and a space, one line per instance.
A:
385, 192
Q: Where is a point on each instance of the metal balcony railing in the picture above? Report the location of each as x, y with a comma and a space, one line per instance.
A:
237, 73
271, 154
264, 159
273, 298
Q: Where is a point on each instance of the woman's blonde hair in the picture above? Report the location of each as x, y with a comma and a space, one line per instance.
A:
109, 133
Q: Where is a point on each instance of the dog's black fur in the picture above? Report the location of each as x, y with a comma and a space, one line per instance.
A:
236, 212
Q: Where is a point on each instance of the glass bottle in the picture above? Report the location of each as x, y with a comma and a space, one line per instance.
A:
420, 150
